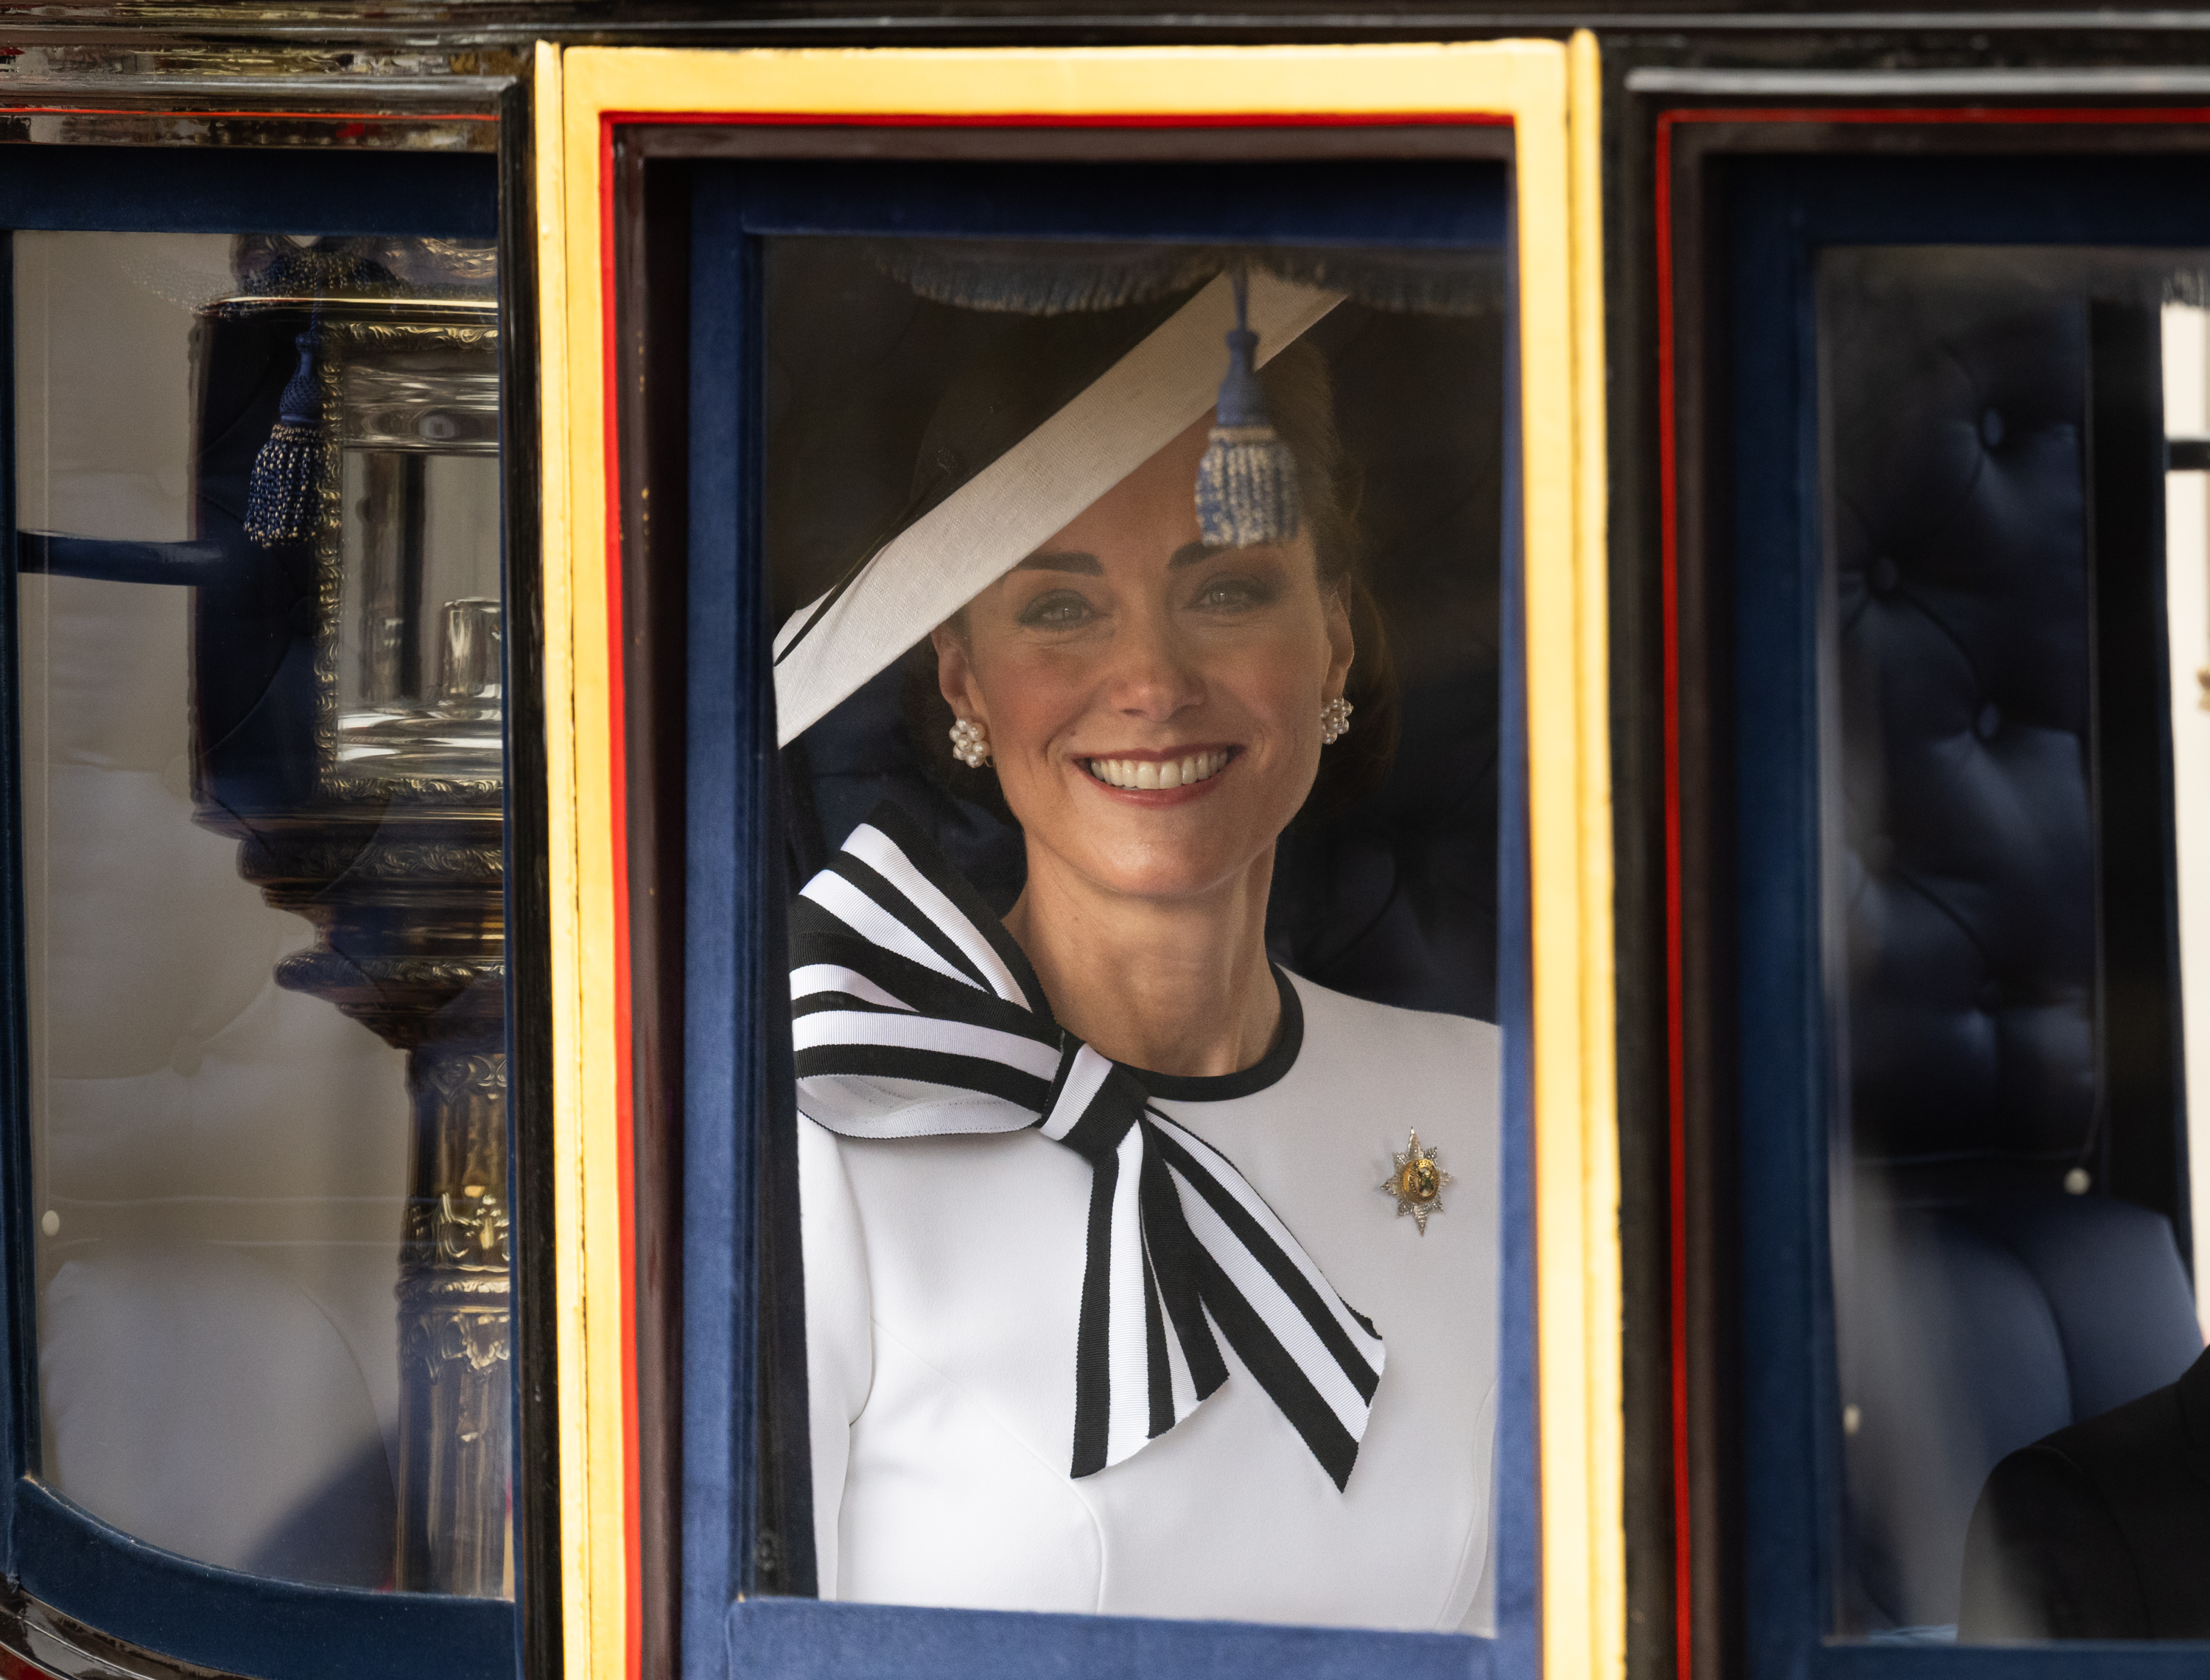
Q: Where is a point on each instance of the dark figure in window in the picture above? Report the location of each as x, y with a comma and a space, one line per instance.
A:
2100, 1531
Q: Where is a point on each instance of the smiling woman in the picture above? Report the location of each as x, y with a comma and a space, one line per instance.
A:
1098, 668
1194, 1361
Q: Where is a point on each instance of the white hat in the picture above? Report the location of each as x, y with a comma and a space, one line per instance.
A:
827, 650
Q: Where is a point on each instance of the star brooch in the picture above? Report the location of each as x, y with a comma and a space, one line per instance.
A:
1417, 1181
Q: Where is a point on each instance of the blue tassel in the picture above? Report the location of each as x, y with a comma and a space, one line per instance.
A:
1247, 484
286, 493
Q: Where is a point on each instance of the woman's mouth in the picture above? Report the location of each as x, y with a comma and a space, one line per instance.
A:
1147, 774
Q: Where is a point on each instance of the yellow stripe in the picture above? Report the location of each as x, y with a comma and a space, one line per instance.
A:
1054, 82
578, 695
1604, 1443
570, 981
1557, 736
1550, 93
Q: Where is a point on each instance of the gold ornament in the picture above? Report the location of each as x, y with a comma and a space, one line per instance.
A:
1417, 1181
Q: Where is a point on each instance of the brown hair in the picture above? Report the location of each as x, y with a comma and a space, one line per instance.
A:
1301, 401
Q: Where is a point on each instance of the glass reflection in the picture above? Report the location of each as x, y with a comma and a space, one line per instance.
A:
261, 699
1066, 722
2017, 1328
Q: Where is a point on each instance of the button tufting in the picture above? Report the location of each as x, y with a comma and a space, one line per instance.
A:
1971, 954
1969, 826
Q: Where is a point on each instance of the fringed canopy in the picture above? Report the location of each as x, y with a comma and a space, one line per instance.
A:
1029, 277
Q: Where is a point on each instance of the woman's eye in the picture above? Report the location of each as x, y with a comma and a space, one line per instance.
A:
1060, 610
1229, 594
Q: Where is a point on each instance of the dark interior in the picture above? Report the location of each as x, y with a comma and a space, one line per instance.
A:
2010, 1206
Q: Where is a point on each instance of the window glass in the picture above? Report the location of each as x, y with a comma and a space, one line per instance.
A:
2186, 370
2013, 631
260, 653
1142, 751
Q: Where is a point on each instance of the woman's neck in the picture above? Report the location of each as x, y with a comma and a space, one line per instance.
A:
1177, 987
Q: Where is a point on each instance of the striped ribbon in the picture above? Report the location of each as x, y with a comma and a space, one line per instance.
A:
914, 1015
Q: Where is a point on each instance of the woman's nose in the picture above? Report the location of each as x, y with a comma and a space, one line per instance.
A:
1152, 675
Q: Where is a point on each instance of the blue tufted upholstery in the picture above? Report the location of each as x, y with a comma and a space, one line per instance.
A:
1978, 1308
1962, 580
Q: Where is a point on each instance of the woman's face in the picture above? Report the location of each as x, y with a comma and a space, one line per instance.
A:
1153, 705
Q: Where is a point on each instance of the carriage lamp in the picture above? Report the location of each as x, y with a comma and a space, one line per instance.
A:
348, 715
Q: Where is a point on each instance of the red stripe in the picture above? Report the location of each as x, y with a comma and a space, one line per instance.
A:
1919, 115
1668, 550
618, 804
625, 1097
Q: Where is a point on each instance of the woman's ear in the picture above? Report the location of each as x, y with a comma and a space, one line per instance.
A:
955, 676
1341, 645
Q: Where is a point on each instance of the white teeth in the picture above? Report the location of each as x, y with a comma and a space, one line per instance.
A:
1146, 772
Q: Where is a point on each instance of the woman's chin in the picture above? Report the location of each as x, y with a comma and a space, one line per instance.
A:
1137, 861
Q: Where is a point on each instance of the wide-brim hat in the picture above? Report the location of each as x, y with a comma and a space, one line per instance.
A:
992, 506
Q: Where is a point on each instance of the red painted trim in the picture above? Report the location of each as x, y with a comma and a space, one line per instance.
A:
285, 115
618, 806
810, 119
1915, 116
624, 1116
1669, 552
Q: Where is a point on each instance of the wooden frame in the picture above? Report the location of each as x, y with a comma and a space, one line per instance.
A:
1674, 557
1547, 92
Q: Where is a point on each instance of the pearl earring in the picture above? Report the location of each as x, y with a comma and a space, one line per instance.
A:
971, 743
1334, 721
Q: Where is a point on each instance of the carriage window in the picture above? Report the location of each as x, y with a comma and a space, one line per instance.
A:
2014, 634
1139, 675
260, 646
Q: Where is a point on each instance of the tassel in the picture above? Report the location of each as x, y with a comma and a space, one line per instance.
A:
1247, 484
285, 493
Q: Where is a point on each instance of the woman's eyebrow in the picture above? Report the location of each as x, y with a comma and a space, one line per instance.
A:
1063, 561
1190, 553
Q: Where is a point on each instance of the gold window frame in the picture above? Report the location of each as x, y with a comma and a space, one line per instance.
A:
1549, 92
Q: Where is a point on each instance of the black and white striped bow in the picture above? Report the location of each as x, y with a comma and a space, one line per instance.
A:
914, 1015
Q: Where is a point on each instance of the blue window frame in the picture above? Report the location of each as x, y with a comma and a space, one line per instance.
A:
736, 1057
54, 1551
1782, 213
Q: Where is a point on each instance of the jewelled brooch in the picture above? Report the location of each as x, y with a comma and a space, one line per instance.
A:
1417, 1181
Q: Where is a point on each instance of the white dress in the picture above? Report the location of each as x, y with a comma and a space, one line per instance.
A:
943, 1279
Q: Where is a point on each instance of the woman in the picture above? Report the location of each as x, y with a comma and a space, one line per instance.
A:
1190, 1363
